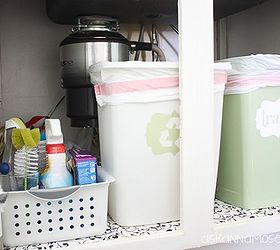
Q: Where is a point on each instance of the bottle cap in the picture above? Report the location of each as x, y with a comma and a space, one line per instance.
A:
5, 168
42, 136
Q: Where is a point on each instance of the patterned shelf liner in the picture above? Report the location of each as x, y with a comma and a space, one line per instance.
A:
226, 213
113, 231
223, 213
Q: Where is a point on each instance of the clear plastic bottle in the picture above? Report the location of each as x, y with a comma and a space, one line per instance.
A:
42, 152
8, 184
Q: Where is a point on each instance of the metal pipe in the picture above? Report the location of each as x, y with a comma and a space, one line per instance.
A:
154, 41
160, 55
140, 39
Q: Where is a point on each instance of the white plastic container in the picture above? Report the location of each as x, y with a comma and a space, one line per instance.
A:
40, 216
139, 137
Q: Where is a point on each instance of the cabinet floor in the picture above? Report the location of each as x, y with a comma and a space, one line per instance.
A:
226, 213
113, 232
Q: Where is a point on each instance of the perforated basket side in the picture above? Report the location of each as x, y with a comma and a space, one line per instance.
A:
30, 219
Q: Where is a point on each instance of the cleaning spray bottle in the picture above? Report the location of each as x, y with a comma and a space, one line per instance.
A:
6, 167
55, 174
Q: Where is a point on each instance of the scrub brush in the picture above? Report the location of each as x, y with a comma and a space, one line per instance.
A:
26, 159
26, 166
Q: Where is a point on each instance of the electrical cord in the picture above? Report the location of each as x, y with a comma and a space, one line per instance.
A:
55, 107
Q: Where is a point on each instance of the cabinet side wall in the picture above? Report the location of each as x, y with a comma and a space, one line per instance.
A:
255, 30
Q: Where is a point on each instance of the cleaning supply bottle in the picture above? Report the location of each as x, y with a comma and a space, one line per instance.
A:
42, 152
55, 174
7, 160
7, 165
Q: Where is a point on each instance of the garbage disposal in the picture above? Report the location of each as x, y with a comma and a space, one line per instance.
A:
94, 39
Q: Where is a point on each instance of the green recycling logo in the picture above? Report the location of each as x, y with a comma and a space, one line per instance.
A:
162, 133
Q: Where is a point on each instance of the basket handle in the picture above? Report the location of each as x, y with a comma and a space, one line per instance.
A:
55, 193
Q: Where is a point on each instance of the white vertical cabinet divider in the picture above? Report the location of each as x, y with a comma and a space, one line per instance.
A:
196, 56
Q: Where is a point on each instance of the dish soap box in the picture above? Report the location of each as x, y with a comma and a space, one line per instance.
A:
84, 166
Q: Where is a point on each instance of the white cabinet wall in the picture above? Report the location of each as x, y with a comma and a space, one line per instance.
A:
29, 60
255, 30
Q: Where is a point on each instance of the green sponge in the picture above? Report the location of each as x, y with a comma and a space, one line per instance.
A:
17, 139
27, 137
35, 133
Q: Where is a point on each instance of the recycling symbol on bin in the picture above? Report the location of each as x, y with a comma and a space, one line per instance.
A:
162, 133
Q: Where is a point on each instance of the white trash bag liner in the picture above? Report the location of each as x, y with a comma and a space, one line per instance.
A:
252, 72
125, 82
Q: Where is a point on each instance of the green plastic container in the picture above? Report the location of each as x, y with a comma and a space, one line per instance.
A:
249, 165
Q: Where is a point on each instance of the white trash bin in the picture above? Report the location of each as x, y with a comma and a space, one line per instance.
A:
139, 137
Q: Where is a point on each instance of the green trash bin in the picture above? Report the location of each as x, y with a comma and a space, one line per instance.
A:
249, 165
